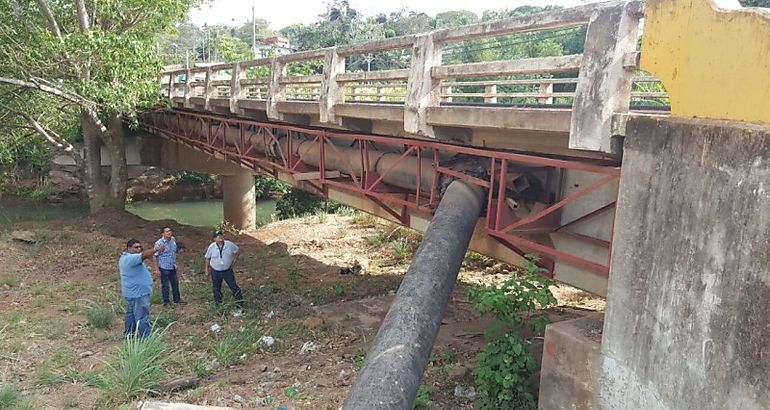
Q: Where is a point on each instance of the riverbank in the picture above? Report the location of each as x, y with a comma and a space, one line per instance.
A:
54, 351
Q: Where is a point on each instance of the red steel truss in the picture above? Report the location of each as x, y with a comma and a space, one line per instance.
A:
206, 132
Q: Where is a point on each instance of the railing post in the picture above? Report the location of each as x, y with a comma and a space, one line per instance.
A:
236, 91
276, 92
447, 90
208, 89
422, 89
604, 85
545, 88
188, 78
331, 92
490, 89
171, 90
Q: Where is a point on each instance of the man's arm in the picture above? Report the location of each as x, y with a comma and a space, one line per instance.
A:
208, 266
155, 264
151, 252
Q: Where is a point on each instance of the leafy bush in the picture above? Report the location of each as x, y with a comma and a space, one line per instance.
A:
265, 186
191, 177
297, 203
138, 367
505, 364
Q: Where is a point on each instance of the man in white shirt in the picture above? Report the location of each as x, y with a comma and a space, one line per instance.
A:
221, 256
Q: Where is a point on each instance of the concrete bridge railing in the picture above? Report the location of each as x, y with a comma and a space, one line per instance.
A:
428, 98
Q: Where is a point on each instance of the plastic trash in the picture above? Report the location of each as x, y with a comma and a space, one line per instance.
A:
216, 328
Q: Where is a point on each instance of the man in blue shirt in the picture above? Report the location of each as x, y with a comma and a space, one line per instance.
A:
221, 256
136, 286
165, 265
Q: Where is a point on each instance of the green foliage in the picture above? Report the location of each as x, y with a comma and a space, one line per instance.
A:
298, 203
138, 366
191, 177
266, 187
755, 3
422, 400
505, 364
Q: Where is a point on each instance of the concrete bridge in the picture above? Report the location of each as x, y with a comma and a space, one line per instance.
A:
543, 139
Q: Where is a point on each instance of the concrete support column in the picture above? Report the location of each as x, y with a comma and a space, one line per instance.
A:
240, 203
687, 323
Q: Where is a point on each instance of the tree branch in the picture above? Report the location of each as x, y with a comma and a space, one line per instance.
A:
82, 16
53, 27
48, 89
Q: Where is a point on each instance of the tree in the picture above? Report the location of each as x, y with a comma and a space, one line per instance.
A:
88, 62
755, 3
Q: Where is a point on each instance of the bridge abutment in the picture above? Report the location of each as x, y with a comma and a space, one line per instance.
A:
687, 322
240, 203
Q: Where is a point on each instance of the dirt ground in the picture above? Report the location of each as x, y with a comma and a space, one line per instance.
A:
290, 274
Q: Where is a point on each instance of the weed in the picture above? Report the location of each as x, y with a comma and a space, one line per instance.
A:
401, 248
341, 232
138, 366
359, 360
198, 265
375, 239
70, 287
165, 318
294, 277
196, 394
94, 379
449, 354
364, 219
339, 290
422, 401
233, 349
322, 216
98, 248
9, 397
202, 369
71, 403
99, 317
292, 393
506, 363
9, 280
38, 289
16, 346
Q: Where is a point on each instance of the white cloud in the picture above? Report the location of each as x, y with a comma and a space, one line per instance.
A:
286, 12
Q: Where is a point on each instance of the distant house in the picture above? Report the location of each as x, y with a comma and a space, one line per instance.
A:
279, 45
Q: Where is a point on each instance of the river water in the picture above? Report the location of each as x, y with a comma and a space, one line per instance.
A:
196, 213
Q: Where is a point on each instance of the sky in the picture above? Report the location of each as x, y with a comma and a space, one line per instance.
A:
282, 13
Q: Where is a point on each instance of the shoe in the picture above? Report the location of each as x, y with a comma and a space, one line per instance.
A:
181, 302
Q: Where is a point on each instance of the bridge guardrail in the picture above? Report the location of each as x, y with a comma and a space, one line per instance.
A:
595, 85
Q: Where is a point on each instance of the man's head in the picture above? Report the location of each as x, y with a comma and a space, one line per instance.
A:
218, 236
167, 232
133, 246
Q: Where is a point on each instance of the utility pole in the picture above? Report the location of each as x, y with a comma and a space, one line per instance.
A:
187, 59
254, 31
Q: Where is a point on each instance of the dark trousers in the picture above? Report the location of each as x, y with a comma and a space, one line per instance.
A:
217, 276
169, 277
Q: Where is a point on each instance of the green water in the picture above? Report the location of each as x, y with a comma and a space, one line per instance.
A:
195, 213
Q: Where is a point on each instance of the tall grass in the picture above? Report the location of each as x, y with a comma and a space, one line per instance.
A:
232, 349
138, 366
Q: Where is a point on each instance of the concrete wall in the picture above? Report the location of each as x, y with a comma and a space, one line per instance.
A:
688, 309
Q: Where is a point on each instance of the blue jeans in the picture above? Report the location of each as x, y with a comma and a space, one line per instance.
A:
217, 276
169, 277
137, 316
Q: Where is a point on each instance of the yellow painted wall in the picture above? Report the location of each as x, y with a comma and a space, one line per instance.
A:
715, 63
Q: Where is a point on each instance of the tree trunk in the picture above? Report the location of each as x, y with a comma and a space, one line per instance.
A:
94, 182
102, 193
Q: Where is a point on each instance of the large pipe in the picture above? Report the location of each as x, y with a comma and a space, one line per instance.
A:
397, 359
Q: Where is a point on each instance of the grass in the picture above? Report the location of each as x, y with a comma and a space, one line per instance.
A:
38, 289
138, 366
12, 399
71, 403
99, 317
234, 348
9, 280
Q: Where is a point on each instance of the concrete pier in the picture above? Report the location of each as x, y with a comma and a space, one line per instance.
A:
687, 323
240, 203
